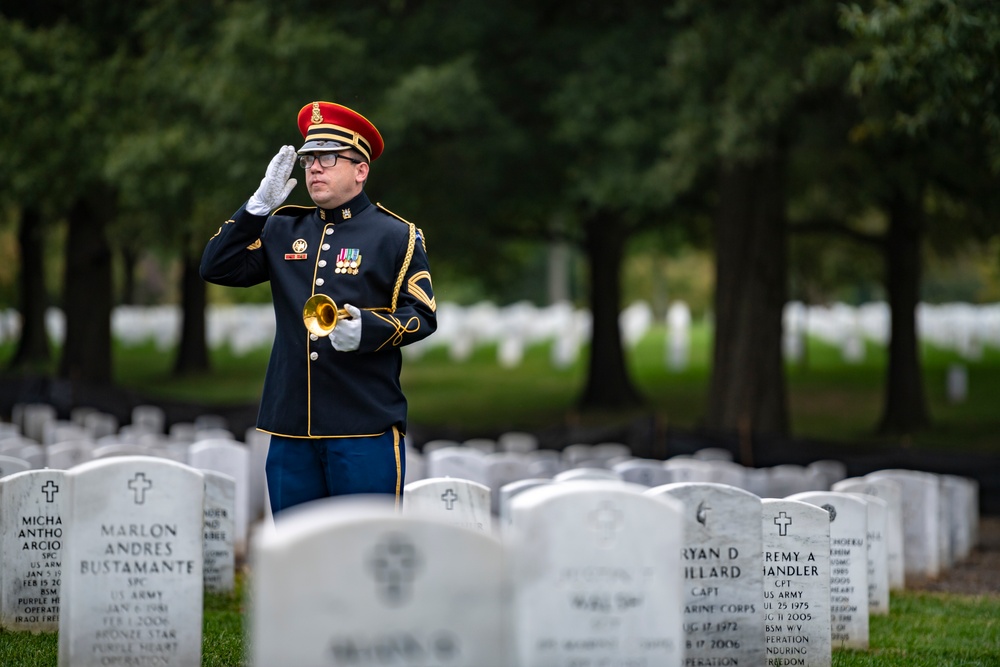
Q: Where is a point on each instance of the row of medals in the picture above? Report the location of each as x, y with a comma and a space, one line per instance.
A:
347, 267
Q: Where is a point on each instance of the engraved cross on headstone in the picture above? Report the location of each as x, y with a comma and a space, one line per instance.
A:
450, 498
782, 521
139, 484
50, 490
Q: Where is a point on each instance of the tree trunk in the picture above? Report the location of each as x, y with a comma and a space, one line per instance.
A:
130, 258
608, 382
87, 298
33, 351
747, 390
905, 409
192, 353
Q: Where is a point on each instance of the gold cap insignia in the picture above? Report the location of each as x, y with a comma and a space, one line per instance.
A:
317, 115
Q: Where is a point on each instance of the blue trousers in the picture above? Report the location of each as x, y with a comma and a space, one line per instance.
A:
299, 470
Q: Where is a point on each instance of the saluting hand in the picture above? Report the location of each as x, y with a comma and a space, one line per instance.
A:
346, 336
276, 184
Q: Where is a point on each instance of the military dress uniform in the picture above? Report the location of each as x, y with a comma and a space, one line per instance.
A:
358, 254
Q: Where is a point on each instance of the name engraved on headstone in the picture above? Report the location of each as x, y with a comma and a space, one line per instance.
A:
595, 574
723, 585
848, 565
796, 562
31, 544
133, 564
219, 532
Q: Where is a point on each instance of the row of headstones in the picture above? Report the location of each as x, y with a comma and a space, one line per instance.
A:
36, 439
513, 456
941, 519
965, 328
34, 518
723, 577
577, 573
585, 572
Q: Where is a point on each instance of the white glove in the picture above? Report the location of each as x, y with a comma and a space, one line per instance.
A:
346, 336
276, 184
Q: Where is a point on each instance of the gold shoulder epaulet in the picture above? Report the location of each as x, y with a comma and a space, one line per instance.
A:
398, 217
419, 233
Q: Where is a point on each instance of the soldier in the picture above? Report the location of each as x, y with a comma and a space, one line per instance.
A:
332, 403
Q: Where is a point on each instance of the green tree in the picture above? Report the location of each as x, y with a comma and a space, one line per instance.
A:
742, 78
928, 85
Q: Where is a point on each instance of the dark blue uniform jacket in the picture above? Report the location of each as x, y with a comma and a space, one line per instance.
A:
310, 389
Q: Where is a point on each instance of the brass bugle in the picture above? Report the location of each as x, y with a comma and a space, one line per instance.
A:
320, 314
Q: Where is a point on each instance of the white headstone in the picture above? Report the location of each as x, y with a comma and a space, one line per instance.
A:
65, 455
32, 509
502, 468
829, 471
33, 454
517, 442
34, 417
258, 443
723, 582
100, 424
461, 462
509, 491
848, 565
10, 465
484, 445
646, 472
132, 564
230, 458
459, 502
576, 453
921, 520
878, 556
149, 418
587, 475
891, 492
544, 463
713, 454
438, 443
349, 581
595, 569
796, 555
416, 466
219, 571
963, 514
605, 452
788, 479
689, 470
106, 451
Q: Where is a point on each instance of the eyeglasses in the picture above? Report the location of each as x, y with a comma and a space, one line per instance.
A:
326, 160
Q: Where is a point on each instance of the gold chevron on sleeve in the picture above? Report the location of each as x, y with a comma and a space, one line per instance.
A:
418, 292
255, 245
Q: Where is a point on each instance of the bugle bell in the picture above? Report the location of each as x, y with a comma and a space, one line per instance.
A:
320, 314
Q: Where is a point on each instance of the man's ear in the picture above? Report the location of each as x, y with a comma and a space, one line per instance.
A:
361, 175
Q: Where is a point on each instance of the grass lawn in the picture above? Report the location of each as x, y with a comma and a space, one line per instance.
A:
923, 630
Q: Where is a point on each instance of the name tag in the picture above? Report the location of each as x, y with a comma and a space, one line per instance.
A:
296, 255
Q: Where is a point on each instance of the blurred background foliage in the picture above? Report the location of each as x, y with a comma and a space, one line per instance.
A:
591, 151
